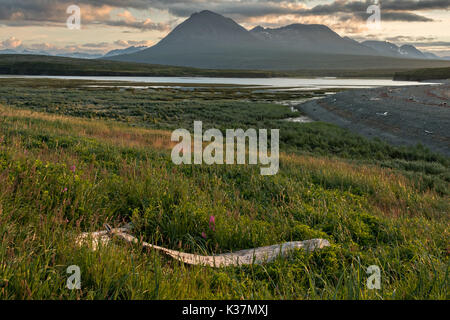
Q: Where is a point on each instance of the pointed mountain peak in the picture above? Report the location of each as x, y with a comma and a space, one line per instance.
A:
207, 15
257, 29
207, 28
211, 19
307, 27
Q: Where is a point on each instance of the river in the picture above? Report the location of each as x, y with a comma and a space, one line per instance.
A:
295, 83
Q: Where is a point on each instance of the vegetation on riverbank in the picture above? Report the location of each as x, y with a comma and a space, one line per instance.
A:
423, 74
60, 66
73, 158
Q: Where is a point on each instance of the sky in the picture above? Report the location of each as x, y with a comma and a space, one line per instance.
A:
117, 24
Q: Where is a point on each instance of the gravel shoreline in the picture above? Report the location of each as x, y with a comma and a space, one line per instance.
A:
398, 115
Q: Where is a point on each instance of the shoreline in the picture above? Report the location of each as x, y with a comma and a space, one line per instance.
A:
398, 115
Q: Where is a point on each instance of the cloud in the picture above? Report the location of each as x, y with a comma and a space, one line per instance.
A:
55, 10
53, 13
11, 43
398, 16
120, 13
129, 43
433, 44
395, 10
94, 48
409, 38
144, 25
97, 45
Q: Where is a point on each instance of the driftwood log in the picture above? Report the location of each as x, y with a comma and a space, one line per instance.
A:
238, 258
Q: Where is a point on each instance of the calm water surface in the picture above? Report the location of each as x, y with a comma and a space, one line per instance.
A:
305, 83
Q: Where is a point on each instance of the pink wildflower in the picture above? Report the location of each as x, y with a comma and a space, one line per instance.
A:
212, 223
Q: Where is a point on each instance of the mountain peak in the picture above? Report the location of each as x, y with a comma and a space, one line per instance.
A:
206, 13
301, 26
205, 29
411, 51
257, 29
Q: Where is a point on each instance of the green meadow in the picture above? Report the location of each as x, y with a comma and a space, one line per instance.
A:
74, 156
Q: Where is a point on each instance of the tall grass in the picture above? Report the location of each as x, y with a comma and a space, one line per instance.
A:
61, 176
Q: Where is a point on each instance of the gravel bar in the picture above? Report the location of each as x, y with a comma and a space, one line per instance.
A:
399, 115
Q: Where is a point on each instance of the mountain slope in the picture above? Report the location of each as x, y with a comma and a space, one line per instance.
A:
389, 49
128, 50
208, 29
411, 52
206, 40
311, 38
383, 48
209, 40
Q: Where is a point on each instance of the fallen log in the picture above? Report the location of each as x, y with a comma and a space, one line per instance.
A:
238, 258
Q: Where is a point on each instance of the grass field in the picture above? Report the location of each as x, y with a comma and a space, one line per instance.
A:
73, 158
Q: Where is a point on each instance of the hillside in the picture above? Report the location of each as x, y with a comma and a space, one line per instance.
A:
311, 38
73, 158
209, 40
59, 66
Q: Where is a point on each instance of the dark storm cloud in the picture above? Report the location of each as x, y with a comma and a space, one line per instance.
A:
406, 5
25, 13
396, 16
404, 16
15, 11
433, 44
248, 8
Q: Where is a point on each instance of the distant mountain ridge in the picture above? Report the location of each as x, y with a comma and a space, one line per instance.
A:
311, 38
128, 50
386, 48
77, 55
210, 40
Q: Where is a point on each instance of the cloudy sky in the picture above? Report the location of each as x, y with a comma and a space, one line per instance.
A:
112, 24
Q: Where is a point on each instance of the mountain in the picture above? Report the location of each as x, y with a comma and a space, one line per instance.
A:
78, 55
411, 52
8, 51
389, 49
311, 38
208, 28
128, 50
205, 40
23, 51
430, 55
209, 40
383, 48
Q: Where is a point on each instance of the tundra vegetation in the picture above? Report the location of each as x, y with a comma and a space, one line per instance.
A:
74, 156
423, 74
14, 64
